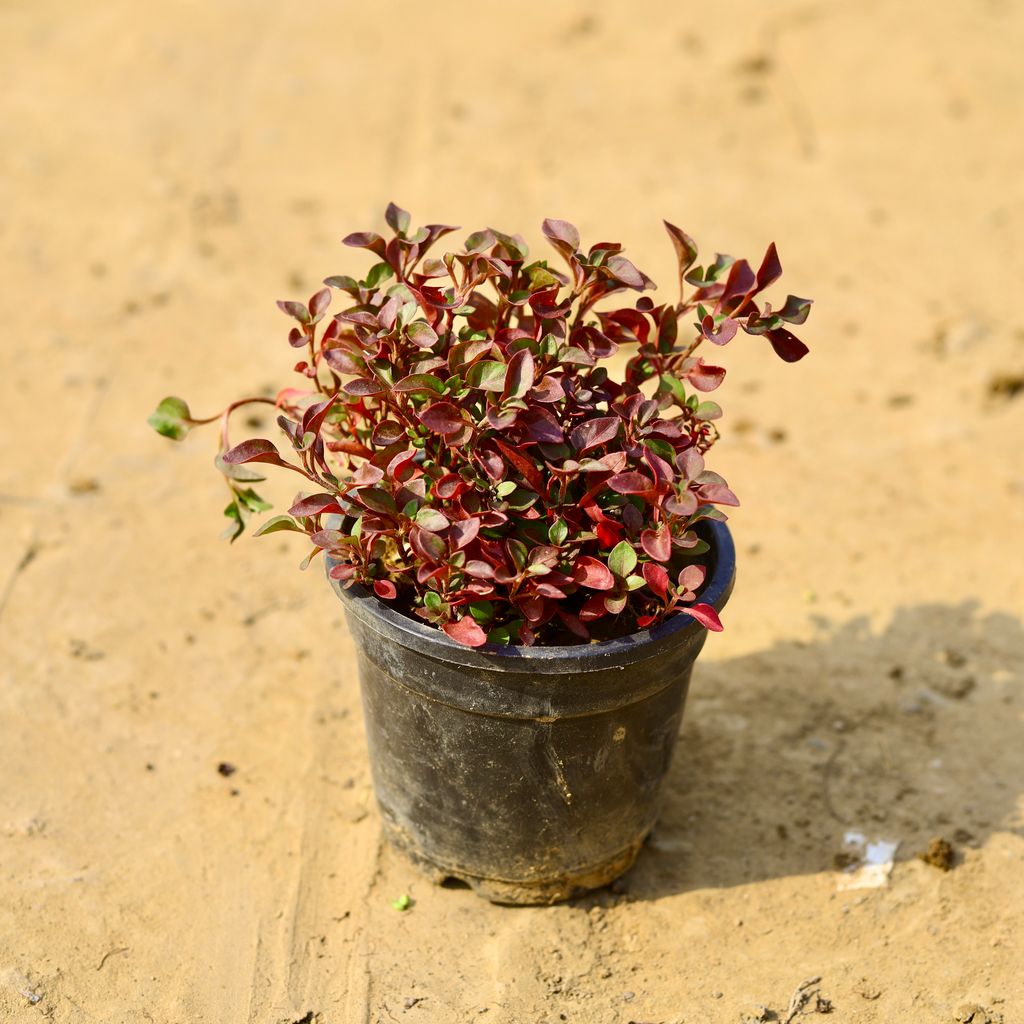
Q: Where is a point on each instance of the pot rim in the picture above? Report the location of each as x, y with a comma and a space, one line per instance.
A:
432, 641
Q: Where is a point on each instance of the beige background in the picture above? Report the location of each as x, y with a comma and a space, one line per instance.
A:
167, 170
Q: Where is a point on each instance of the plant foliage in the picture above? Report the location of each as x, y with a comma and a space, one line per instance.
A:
496, 480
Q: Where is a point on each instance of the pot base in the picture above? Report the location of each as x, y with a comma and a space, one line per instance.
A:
532, 892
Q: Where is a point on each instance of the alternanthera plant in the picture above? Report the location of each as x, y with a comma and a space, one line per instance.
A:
491, 476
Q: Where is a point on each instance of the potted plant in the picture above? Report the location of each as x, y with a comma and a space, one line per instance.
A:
530, 549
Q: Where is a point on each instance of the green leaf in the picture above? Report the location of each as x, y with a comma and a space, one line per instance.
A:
795, 310
421, 334
406, 312
377, 273
479, 241
342, 282
171, 419
420, 382
557, 532
432, 520
398, 220
402, 903
252, 501
635, 582
482, 611
487, 375
278, 523
517, 551
622, 560
237, 516
660, 448
708, 411
521, 499
505, 488
240, 474
540, 277
505, 634
377, 499
304, 564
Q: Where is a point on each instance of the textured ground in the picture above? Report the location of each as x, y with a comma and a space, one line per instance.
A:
166, 171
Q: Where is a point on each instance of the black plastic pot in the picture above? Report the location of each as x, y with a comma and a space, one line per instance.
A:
532, 774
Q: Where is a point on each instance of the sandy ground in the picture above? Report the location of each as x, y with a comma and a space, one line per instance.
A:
168, 170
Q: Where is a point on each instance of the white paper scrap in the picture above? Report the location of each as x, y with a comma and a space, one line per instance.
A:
873, 866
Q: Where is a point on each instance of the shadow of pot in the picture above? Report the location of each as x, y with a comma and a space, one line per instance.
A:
531, 774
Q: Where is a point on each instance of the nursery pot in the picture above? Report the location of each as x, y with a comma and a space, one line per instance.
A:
531, 774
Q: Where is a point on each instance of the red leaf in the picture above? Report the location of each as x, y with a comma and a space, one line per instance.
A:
363, 387
541, 426
385, 589
544, 304
788, 347
589, 572
428, 546
387, 433
314, 416
690, 463
519, 376
686, 248
314, 505
442, 418
593, 608
366, 240
692, 576
561, 231
770, 270
657, 543
296, 310
534, 608
548, 389
256, 450
402, 466
450, 486
717, 494
367, 475
625, 272
502, 419
741, 281
657, 579
342, 572
594, 432
609, 533
466, 632
529, 470
704, 377
725, 333
318, 303
463, 533
630, 482
705, 615
573, 624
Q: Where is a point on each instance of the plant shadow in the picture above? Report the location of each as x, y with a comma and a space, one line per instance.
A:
903, 735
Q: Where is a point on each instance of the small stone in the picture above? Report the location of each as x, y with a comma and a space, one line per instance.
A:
939, 854
716, 995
